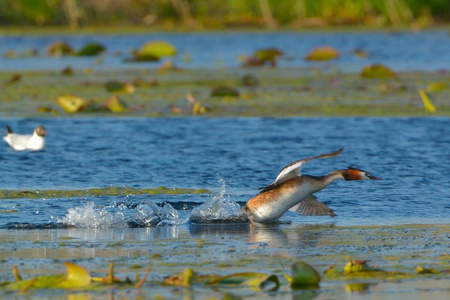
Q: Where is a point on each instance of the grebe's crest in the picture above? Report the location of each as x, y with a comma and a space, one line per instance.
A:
358, 174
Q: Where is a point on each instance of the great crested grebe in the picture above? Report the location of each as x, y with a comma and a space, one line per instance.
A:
293, 191
21, 142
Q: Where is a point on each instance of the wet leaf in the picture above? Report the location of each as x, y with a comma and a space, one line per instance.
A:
59, 48
224, 91
377, 71
428, 105
76, 276
156, 49
355, 266
184, 278
436, 87
71, 103
423, 270
120, 87
91, 50
263, 282
303, 275
46, 109
115, 105
361, 53
322, 53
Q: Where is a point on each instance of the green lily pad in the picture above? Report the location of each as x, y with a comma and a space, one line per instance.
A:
224, 91
157, 49
71, 103
91, 50
377, 71
322, 53
303, 275
268, 54
59, 48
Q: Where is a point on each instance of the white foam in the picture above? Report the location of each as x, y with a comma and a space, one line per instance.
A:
220, 209
91, 216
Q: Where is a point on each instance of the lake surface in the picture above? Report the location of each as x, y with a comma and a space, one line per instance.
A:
402, 51
232, 157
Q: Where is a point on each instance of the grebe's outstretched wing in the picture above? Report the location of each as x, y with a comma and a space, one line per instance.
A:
312, 207
292, 170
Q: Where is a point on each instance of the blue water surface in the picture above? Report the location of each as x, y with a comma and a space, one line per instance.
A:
410, 154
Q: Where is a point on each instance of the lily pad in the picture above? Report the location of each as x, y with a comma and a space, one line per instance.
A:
184, 278
71, 103
377, 71
59, 48
322, 53
356, 266
91, 50
119, 87
303, 275
115, 105
155, 49
224, 91
250, 80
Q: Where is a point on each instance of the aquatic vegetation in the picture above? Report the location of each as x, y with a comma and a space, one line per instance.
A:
428, 105
71, 103
303, 276
437, 87
108, 191
115, 86
155, 50
14, 78
91, 49
115, 105
377, 71
261, 57
59, 48
322, 53
224, 91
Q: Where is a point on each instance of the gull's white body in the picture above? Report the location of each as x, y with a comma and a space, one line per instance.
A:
21, 142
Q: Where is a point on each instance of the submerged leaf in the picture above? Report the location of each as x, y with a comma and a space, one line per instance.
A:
303, 275
429, 107
323, 53
91, 49
377, 71
71, 103
224, 91
59, 48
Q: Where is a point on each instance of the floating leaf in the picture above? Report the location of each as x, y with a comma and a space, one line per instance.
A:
437, 87
46, 109
184, 278
303, 275
361, 53
72, 104
268, 54
357, 286
75, 277
429, 107
323, 53
59, 49
11, 54
155, 50
377, 71
115, 105
252, 279
91, 50
168, 66
120, 87
355, 266
224, 91
422, 270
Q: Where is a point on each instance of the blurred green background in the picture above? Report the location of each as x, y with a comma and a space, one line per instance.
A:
207, 14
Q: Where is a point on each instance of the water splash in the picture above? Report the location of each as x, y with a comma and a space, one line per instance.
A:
220, 209
146, 214
93, 216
